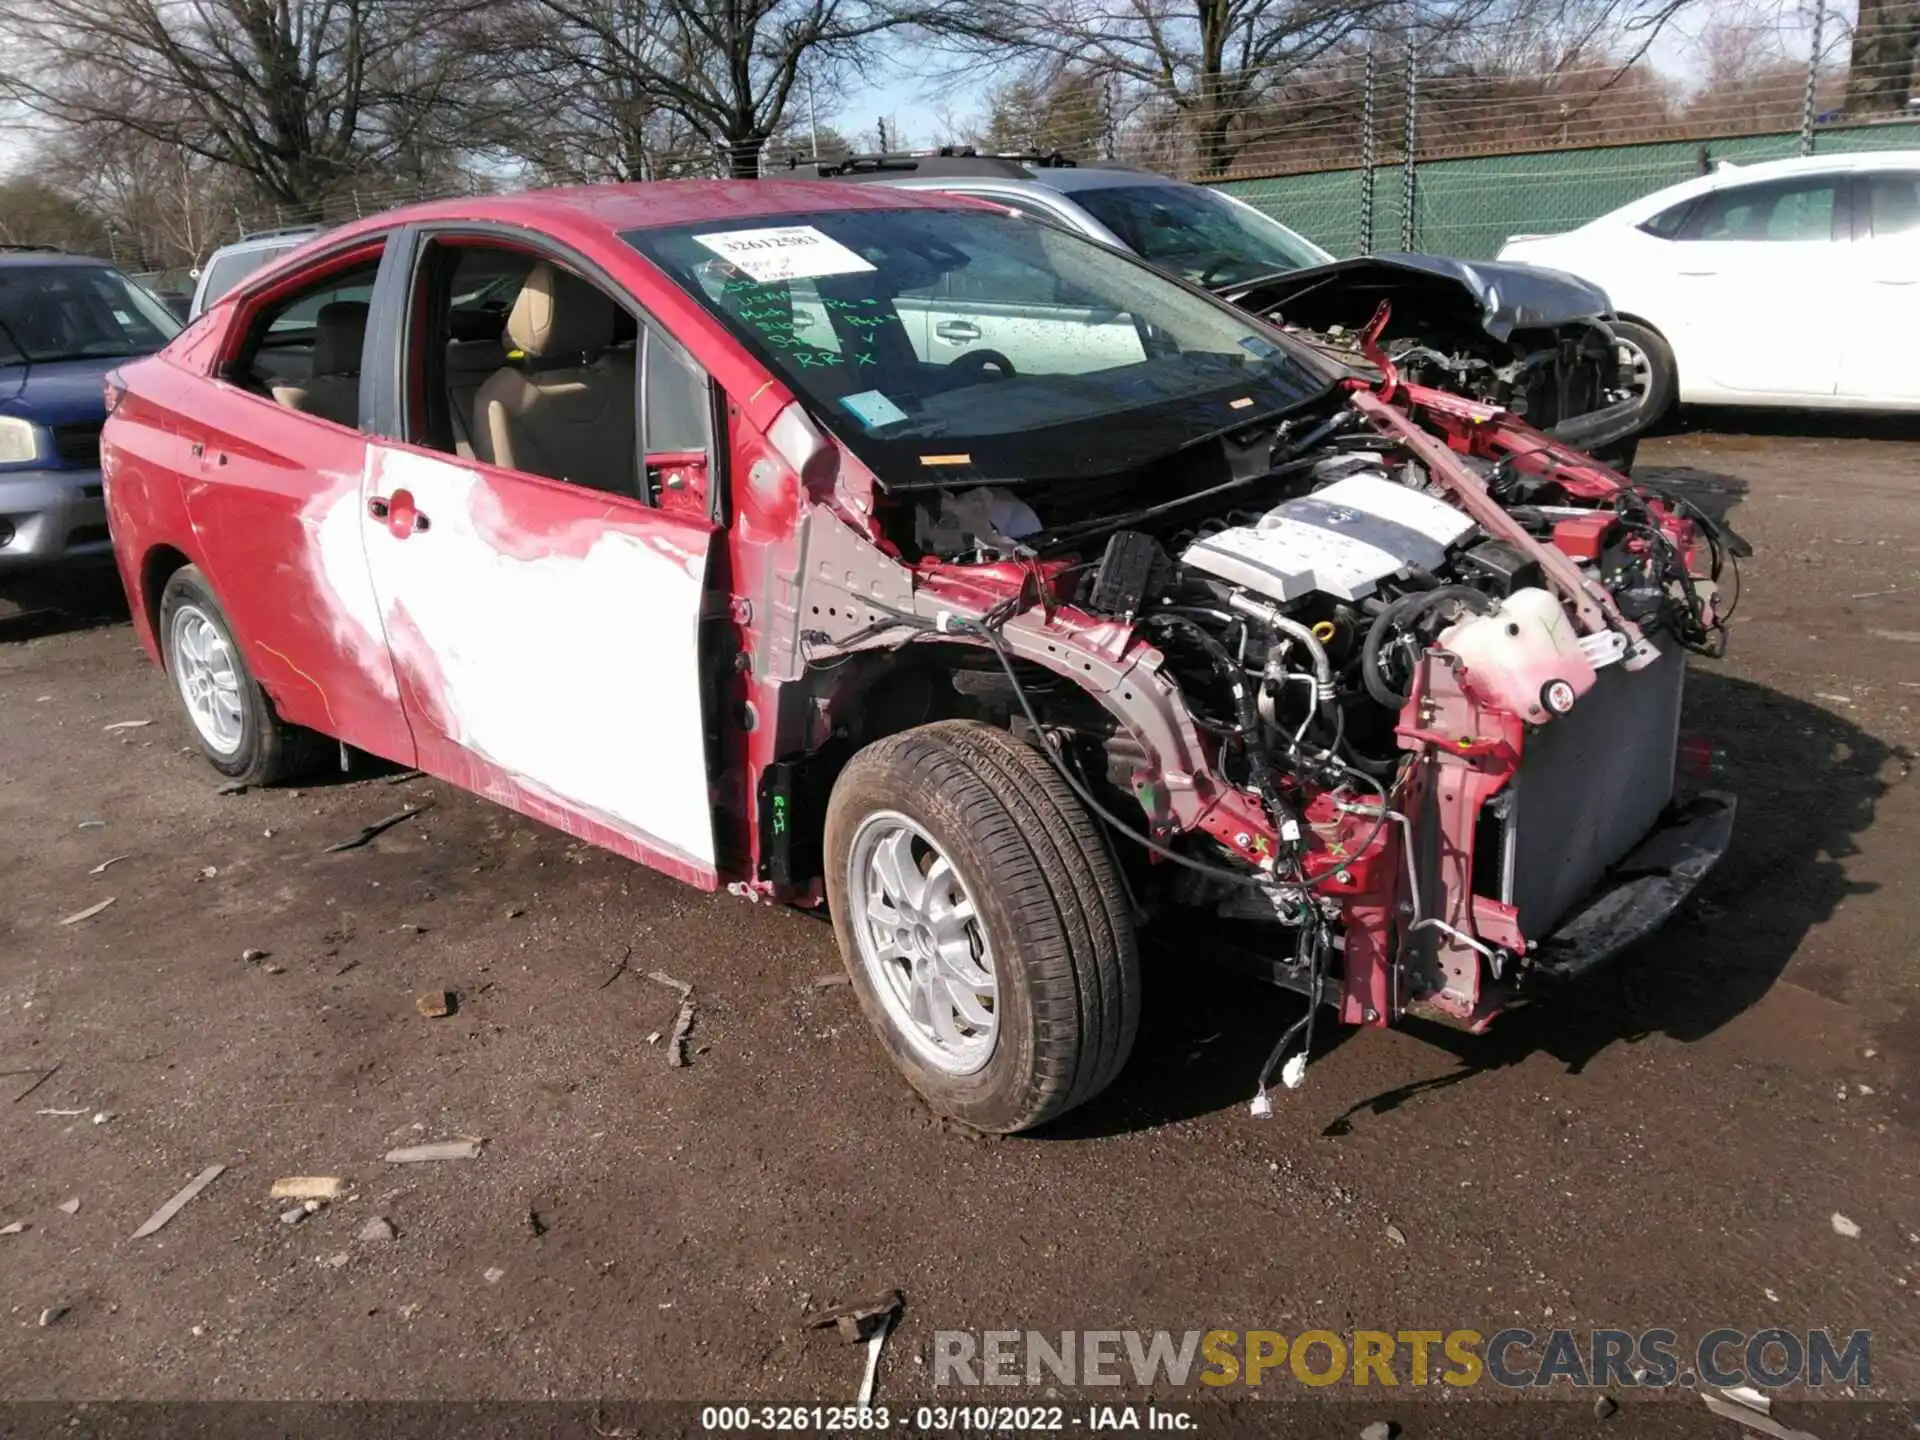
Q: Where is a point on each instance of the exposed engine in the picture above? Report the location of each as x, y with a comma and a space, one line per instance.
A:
1408, 699
1319, 606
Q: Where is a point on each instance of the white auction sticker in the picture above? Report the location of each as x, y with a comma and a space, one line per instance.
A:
786, 252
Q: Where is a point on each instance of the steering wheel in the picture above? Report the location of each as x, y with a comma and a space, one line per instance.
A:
975, 362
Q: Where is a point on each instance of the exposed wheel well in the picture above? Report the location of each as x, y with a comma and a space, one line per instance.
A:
155, 571
880, 694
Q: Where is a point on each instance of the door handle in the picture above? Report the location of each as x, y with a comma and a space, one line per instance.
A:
1697, 274
397, 510
958, 331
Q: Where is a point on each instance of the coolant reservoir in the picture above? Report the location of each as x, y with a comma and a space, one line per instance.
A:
1524, 657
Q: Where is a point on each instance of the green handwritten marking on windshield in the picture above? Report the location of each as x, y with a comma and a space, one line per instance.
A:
865, 357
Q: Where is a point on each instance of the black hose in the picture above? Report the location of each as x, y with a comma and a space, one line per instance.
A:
1401, 612
1260, 762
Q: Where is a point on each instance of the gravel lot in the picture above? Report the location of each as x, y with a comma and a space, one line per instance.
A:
1666, 1146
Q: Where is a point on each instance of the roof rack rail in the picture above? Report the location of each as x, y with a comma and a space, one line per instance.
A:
276, 231
14, 248
946, 160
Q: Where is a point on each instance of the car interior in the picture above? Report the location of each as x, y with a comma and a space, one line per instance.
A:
529, 367
307, 351
532, 368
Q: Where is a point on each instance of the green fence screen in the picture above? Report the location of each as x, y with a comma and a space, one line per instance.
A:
1468, 207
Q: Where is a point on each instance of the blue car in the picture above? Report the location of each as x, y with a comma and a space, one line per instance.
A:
65, 321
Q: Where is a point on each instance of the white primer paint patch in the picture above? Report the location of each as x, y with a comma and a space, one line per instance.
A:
578, 673
332, 517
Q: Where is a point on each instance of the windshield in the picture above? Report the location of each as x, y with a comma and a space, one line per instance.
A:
1202, 235
77, 312
949, 346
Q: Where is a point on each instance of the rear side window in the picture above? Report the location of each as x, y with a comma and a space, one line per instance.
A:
1669, 222
1778, 210
229, 270
1893, 202
306, 349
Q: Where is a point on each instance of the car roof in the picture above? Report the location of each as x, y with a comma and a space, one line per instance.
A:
12, 256
271, 240
656, 204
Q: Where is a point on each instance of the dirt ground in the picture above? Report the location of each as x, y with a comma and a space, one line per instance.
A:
1667, 1146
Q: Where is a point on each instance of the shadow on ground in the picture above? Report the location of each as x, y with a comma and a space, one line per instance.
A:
1808, 783
56, 602
1732, 422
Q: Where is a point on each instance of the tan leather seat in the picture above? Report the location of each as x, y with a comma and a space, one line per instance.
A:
474, 352
567, 411
332, 390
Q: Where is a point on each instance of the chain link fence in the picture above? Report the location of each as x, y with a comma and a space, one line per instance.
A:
1443, 142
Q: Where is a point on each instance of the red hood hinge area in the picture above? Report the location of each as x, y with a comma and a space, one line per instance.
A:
1592, 606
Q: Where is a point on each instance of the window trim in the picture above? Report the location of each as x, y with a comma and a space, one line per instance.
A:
1684, 207
401, 315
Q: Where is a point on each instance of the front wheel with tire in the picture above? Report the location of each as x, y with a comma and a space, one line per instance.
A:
984, 922
232, 720
1655, 380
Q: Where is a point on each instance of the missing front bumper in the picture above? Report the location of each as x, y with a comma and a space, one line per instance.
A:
1643, 890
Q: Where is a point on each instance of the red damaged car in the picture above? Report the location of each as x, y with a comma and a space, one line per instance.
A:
654, 513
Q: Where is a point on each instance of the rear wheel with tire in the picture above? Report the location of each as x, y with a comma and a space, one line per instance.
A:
984, 922
231, 717
1655, 379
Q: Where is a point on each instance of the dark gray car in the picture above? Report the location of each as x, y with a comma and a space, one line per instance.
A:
1533, 341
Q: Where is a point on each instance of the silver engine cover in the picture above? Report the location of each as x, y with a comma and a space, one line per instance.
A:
1340, 541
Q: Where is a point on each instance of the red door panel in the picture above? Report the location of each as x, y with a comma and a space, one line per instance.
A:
275, 506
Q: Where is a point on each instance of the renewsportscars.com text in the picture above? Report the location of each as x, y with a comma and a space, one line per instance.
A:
1511, 1359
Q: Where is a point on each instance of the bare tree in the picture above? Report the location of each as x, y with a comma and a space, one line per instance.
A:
161, 206
33, 212
725, 70
1248, 77
1886, 47
1066, 113
297, 96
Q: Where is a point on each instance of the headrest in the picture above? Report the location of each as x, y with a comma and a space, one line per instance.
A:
339, 335
470, 325
557, 316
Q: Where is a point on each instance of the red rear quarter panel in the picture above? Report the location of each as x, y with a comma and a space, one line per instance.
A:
141, 454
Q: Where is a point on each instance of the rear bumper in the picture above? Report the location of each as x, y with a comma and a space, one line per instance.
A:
1640, 893
51, 515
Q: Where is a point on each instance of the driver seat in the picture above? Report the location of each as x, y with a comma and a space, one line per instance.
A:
566, 410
